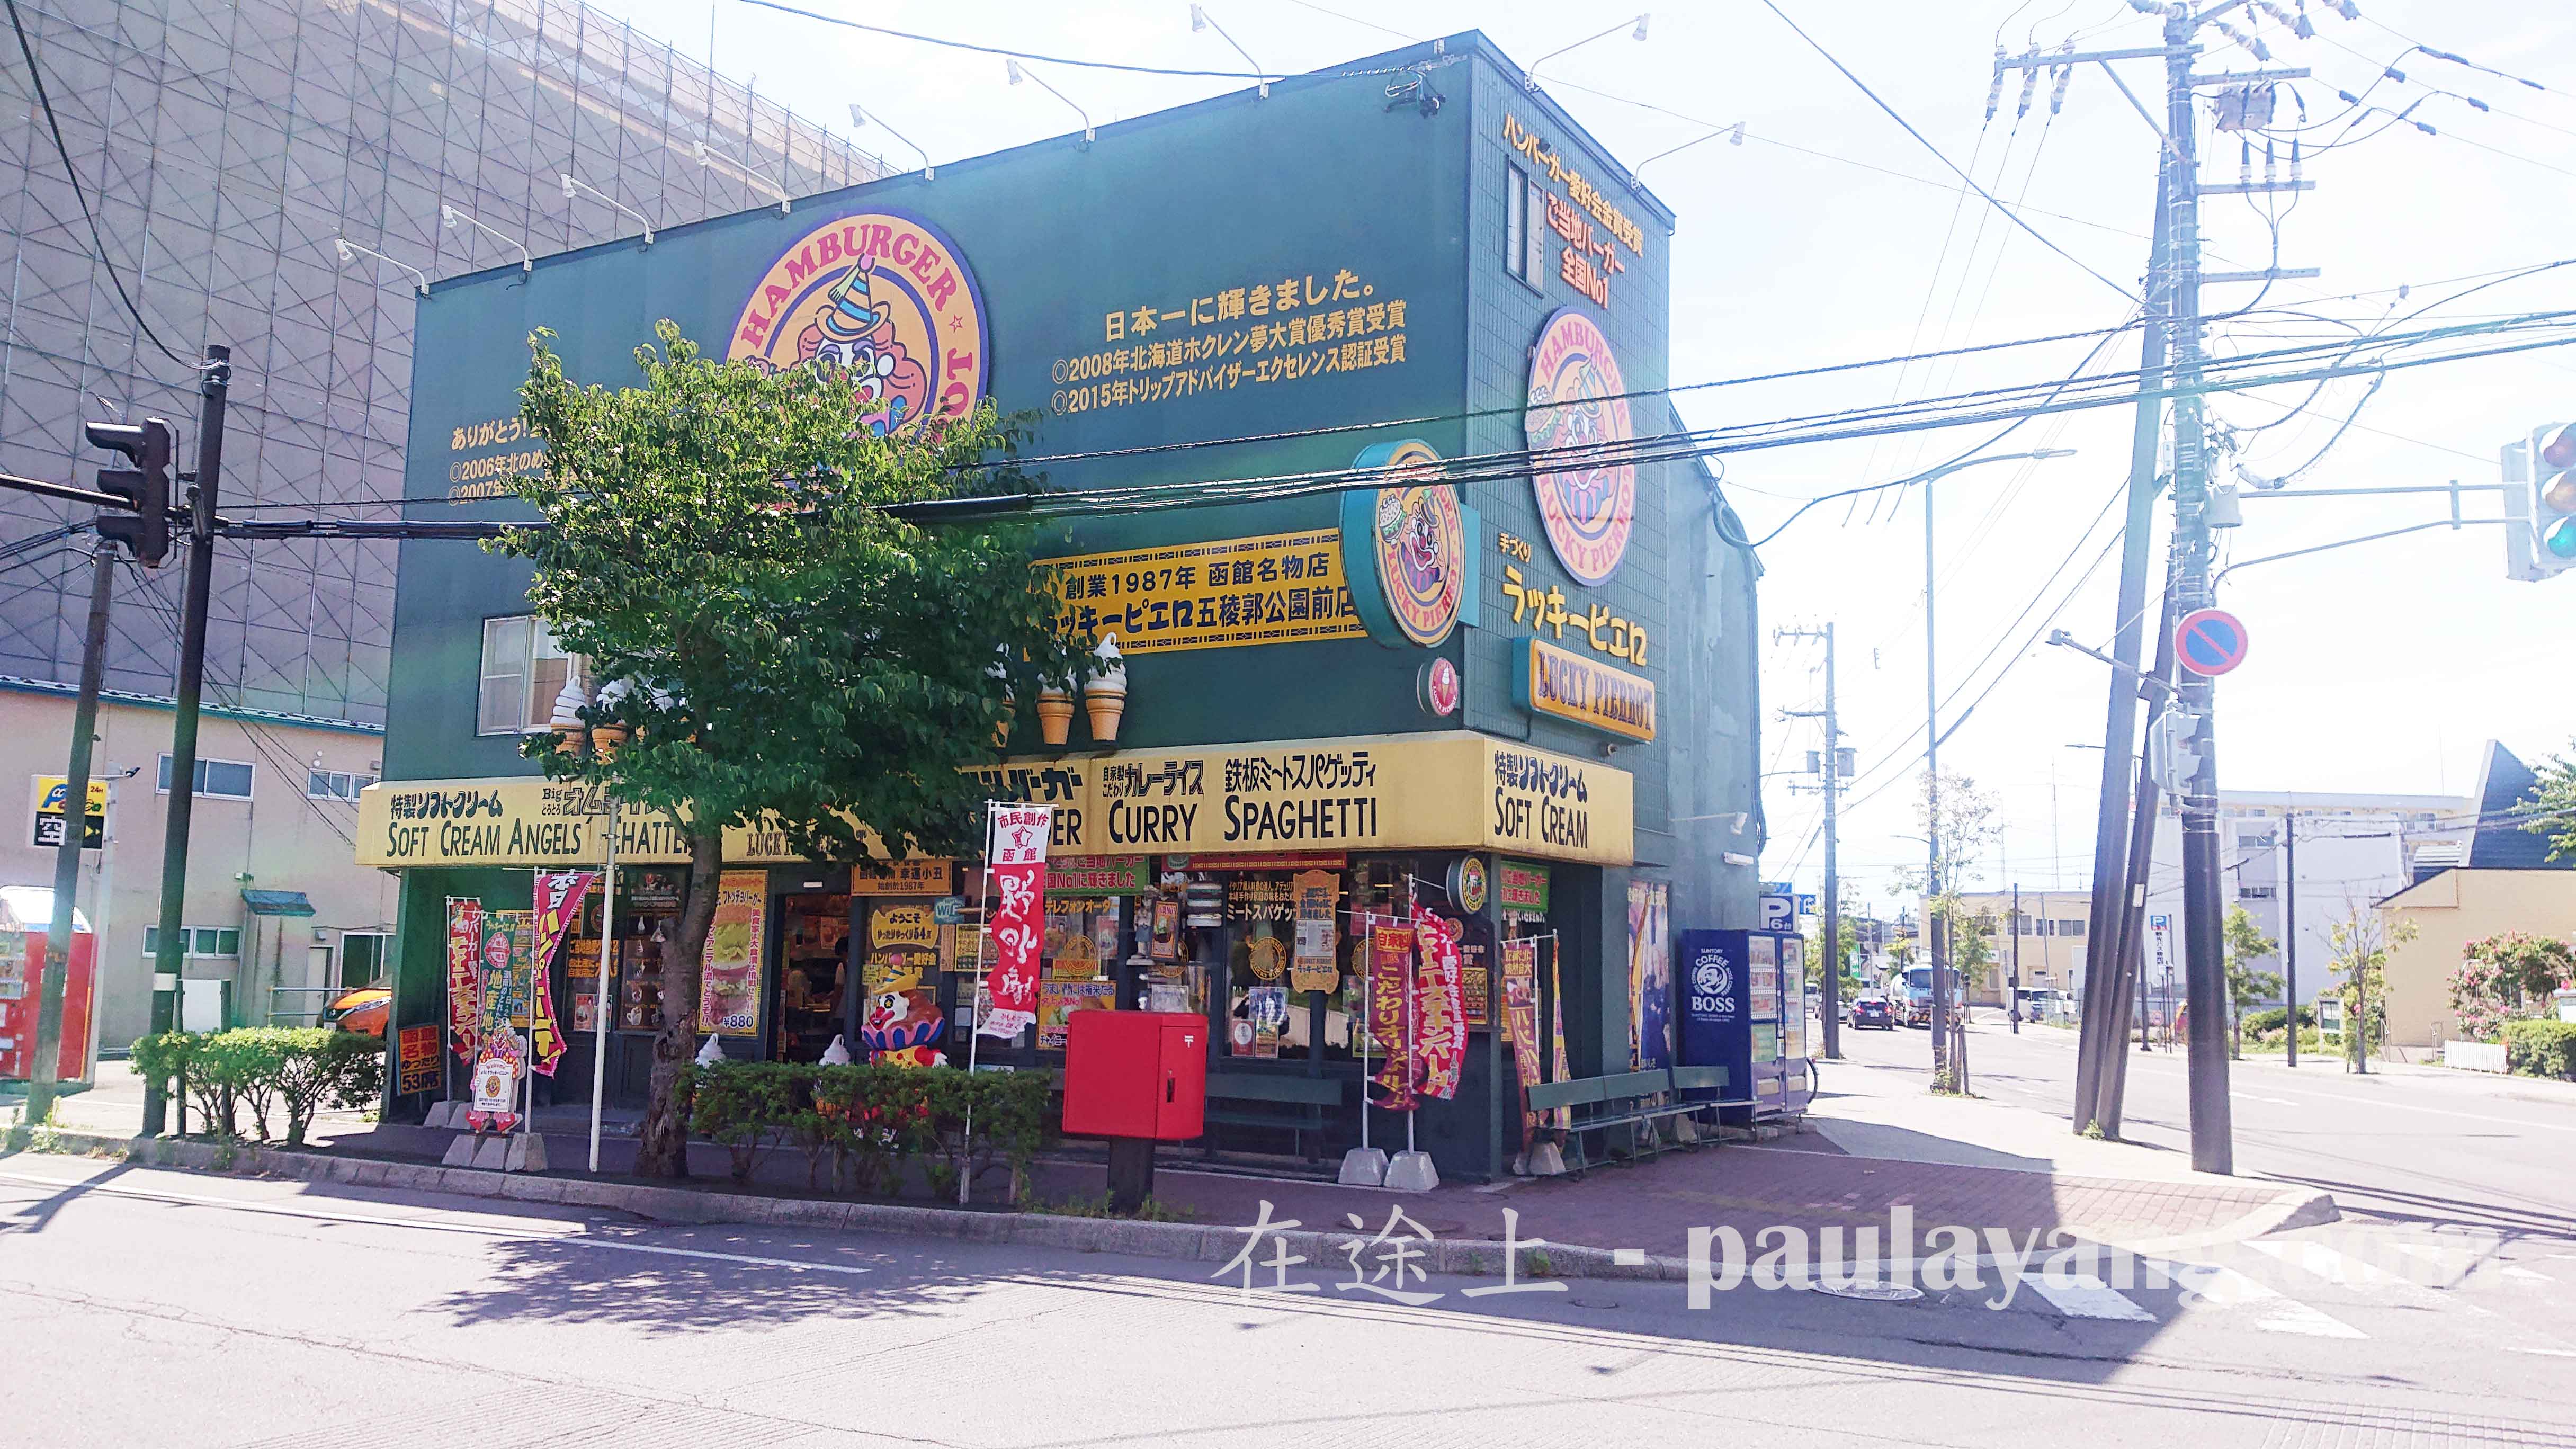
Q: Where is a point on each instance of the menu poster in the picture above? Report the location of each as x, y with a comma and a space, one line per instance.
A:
729, 979
1390, 953
1313, 895
1266, 1007
507, 960
1059, 1000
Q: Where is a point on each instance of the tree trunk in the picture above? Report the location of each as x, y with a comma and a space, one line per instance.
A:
662, 1148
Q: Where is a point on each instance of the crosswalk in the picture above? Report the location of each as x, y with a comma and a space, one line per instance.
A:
2336, 1283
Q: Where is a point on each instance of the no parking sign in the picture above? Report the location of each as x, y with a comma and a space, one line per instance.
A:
2209, 642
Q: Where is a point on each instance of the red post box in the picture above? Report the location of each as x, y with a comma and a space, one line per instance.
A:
1140, 1074
1136, 1078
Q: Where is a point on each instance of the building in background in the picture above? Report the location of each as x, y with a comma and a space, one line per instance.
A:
276, 916
225, 147
2502, 879
2049, 934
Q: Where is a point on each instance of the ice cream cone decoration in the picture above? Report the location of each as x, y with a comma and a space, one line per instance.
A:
1104, 694
608, 738
566, 720
1055, 714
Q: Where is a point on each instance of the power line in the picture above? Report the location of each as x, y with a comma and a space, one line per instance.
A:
1937, 155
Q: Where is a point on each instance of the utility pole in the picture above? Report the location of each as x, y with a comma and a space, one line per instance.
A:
2016, 956
2290, 926
2203, 944
214, 382
47, 1069
1830, 773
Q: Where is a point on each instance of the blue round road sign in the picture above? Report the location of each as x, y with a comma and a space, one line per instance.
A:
2209, 642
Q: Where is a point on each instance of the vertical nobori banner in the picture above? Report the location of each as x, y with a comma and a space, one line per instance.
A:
1015, 909
1390, 953
559, 898
1439, 1008
464, 1001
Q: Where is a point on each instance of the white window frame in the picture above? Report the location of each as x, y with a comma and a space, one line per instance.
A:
151, 941
203, 773
534, 647
331, 779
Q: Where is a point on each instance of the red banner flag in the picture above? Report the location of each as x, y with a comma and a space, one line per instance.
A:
1439, 1008
1015, 915
1390, 951
559, 898
464, 999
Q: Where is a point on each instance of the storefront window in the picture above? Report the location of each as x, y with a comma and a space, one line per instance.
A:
813, 974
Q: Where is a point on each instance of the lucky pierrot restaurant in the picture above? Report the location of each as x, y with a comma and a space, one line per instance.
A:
1502, 731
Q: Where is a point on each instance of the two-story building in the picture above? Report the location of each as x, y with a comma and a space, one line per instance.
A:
1523, 697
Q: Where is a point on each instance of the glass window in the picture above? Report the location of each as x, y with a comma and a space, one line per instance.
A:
1516, 220
218, 779
336, 784
2072, 926
523, 670
199, 940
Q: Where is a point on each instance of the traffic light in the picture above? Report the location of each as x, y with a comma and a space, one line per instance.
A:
2173, 749
2552, 499
145, 487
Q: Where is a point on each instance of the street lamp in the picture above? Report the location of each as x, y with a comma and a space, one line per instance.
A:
1529, 78
1019, 73
1932, 743
859, 118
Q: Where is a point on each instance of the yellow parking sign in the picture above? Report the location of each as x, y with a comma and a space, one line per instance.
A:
52, 791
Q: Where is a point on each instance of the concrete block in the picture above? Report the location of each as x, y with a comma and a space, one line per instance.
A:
460, 1153
491, 1154
526, 1153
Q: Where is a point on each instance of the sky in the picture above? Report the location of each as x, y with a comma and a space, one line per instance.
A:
1831, 234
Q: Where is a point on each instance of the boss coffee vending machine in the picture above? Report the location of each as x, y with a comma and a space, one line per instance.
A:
1744, 996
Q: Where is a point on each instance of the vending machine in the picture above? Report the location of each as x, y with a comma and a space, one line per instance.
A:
1744, 1009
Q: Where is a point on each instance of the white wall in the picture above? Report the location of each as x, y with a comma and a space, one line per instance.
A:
2346, 862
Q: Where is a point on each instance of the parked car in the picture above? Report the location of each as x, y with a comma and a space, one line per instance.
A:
1872, 1009
362, 1011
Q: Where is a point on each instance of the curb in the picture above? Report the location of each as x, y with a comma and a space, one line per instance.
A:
1187, 1242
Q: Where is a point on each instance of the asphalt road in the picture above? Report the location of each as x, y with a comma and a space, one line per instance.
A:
2438, 1151
142, 1306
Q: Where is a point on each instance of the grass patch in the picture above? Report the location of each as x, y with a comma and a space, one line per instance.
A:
1153, 1211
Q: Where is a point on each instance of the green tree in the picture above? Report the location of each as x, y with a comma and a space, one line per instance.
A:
2246, 944
782, 648
2550, 809
2360, 943
2506, 976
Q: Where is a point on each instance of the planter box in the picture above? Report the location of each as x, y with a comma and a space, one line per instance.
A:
2474, 1056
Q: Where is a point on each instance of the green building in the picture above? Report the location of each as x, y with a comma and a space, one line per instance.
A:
1527, 703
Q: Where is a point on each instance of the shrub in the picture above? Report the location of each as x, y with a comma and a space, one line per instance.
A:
2541, 1048
301, 1068
872, 1122
2272, 1018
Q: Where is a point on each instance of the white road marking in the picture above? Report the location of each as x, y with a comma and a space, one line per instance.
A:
2225, 1287
2275, 1101
574, 1236
2087, 1297
2329, 1264
2463, 1262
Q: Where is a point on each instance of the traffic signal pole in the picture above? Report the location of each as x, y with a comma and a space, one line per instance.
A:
212, 388
46, 1071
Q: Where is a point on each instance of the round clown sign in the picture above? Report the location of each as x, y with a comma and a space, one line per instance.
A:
1589, 504
1407, 557
883, 297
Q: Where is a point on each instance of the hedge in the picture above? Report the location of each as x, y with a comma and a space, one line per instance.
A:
2271, 1019
299, 1068
2541, 1048
869, 1123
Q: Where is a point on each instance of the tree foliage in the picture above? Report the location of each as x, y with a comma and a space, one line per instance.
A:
2506, 977
2246, 944
2550, 809
781, 649
2361, 942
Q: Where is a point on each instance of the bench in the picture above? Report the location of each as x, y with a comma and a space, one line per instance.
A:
1629, 1100
1294, 1105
